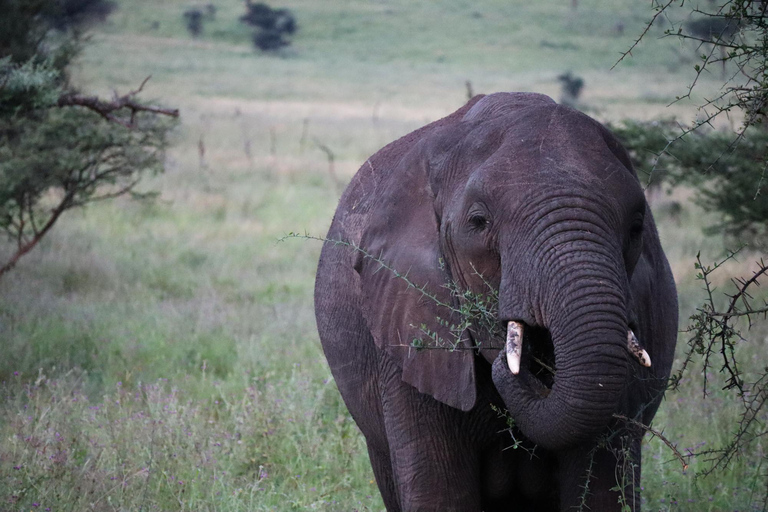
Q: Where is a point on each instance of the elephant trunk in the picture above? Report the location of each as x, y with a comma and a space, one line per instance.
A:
586, 319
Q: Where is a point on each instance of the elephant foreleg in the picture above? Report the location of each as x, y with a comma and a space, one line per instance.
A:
382, 470
433, 464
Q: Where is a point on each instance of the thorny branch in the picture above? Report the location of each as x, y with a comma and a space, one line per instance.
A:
655, 433
659, 11
714, 333
738, 35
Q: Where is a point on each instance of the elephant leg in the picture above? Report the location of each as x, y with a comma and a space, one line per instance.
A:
353, 359
357, 383
601, 478
382, 470
434, 464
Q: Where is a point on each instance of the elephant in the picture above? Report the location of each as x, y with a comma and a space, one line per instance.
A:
537, 206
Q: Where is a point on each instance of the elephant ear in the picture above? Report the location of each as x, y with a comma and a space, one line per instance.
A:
403, 279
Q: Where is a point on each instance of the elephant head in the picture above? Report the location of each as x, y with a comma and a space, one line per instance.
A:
537, 201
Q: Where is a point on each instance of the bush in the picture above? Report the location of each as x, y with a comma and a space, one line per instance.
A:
258, 15
572, 86
194, 20
79, 12
721, 167
269, 40
272, 25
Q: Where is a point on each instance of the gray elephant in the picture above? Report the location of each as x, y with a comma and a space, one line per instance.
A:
539, 204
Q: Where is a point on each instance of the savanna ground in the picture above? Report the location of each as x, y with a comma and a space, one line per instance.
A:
163, 355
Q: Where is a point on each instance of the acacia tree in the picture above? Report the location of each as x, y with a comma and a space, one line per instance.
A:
61, 149
729, 173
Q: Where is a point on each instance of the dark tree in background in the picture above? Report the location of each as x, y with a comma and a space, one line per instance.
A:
269, 40
194, 20
77, 13
728, 171
572, 86
61, 149
272, 26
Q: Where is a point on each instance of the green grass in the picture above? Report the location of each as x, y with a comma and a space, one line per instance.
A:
163, 356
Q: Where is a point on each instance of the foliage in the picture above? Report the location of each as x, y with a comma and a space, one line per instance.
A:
194, 18
58, 149
27, 88
272, 25
25, 25
728, 171
27, 35
263, 16
714, 334
721, 169
58, 159
269, 40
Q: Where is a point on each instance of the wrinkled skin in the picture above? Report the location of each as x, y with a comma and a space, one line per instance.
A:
540, 202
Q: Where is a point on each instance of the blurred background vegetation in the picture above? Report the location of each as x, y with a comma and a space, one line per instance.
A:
162, 355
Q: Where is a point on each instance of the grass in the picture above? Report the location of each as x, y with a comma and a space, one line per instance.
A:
163, 356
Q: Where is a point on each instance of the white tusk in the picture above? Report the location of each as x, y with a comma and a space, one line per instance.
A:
636, 350
514, 346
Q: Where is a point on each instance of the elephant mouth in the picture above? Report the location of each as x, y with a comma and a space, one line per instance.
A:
533, 357
536, 358
539, 358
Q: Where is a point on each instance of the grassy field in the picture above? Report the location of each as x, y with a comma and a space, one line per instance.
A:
163, 356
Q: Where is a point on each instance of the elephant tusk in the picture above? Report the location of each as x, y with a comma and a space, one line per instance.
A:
514, 346
636, 350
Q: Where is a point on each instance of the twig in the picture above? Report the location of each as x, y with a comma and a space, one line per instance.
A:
655, 433
648, 26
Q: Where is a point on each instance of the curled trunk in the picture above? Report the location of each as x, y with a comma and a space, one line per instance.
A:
587, 322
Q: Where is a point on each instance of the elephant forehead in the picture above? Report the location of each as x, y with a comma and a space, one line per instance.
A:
549, 146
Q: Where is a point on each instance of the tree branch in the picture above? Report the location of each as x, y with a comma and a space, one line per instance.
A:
107, 109
28, 246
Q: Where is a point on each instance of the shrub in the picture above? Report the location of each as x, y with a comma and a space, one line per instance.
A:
572, 86
269, 40
194, 20
272, 25
719, 166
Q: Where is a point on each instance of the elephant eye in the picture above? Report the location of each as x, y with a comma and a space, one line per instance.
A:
636, 230
478, 222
